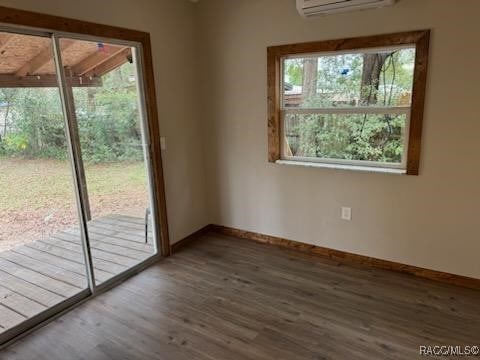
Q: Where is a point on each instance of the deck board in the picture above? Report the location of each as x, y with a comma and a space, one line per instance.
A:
126, 233
113, 237
40, 274
9, 318
105, 246
68, 277
58, 287
59, 241
126, 219
124, 239
22, 305
29, 290
60, 262
75, 257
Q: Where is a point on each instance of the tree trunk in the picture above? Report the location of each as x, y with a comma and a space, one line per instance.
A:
5, 120
310, 78
91, 99
372, 68
35, 144
9, 95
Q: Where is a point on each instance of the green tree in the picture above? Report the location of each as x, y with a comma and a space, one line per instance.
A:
383, 79
108, 120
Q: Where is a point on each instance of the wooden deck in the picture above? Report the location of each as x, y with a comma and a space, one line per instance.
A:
38, 275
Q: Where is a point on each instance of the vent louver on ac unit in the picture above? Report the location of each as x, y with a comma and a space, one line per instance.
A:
323, 7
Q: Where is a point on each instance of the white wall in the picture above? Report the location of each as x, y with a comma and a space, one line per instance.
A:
171, 25
429, 221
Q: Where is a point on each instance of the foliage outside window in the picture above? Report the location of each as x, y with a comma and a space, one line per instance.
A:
108, 118
352, 106
32, 123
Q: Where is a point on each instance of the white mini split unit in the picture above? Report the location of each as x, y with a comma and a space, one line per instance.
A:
309, 8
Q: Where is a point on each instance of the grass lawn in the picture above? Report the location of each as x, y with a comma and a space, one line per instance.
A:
37, 197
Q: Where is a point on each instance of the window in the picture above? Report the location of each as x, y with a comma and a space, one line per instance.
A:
356, 103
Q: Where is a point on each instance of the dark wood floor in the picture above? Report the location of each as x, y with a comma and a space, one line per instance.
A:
223, 298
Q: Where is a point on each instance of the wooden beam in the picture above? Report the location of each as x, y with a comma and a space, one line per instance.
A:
112, 63
13, 81
96, 59
155, 146
41, 59
273, 106
4, 40
418, 103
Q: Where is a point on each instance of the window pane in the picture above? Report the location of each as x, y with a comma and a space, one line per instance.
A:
113, 146
365, 137
380, 78
41, 262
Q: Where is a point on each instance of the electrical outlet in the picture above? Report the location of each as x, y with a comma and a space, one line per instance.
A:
346, 213
163, 145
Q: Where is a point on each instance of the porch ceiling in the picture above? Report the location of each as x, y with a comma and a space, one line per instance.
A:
27, 61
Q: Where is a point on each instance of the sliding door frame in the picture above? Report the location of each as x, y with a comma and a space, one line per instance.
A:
71, 128
55, 28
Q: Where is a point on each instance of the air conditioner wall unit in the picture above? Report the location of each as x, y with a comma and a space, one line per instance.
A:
309, 8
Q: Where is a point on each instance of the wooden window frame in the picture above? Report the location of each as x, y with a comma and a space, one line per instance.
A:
10, 16
419, 39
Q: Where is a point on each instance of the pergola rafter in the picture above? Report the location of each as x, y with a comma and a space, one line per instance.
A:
45, 56
96, 59
4, 39
114, 61
27, 61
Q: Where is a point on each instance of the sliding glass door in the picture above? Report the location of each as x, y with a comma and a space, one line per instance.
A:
112, 143
76, 209
37, 196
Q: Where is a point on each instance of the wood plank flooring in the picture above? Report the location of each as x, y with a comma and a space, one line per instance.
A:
224, 298
41, 274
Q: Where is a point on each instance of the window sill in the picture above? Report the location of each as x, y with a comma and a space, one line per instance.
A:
370, 169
